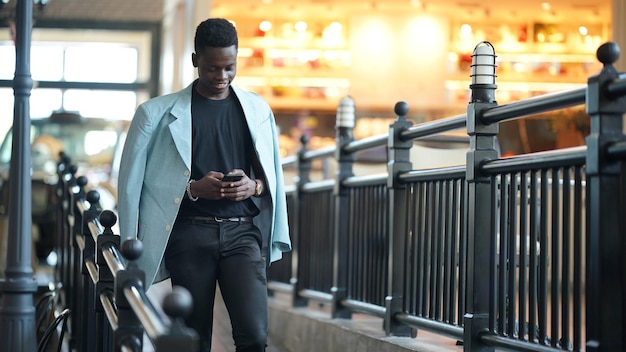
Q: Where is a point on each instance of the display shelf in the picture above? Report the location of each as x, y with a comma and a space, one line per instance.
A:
531, 67
297, 92
307, 74
532, 57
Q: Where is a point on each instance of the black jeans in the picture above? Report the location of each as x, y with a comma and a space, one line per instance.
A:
201, 254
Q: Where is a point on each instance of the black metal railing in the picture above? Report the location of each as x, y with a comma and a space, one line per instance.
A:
520, 253
105, 290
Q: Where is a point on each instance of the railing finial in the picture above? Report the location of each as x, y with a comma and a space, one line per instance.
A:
132, 249
401, 109
178, 303
608, 53
107, 219
93, 197
82, 181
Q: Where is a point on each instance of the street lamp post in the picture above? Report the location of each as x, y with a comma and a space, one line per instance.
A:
17, 312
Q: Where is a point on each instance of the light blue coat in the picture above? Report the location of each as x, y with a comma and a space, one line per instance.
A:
156, 166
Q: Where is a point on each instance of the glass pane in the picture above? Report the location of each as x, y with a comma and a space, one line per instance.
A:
7, 60
6, 109
46, 63
101, 63
44, 101
7, 148
97, 142
119, 105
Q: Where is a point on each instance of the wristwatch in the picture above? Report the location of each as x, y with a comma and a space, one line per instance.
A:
258, 189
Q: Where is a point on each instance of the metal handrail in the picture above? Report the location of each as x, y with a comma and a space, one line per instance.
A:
145, 312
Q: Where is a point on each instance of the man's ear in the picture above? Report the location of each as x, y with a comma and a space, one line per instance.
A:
194, 59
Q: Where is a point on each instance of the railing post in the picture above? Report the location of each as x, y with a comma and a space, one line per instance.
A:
606, 266
72, 289
86, 332
66, 229
399, 160
62, 224
129, 331
480, 217
303, 168
105, 285
345, 161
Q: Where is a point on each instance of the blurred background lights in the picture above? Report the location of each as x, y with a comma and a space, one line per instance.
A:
466, 29
335, 26
265, 26
583, 30
300, 26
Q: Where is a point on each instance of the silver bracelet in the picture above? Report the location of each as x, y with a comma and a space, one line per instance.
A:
188, 188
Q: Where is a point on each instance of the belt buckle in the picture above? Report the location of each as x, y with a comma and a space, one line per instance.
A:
219, 219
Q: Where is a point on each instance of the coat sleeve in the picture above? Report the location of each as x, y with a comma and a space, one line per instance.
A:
132, 170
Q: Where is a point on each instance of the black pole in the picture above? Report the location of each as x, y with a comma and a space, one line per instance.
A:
17, 313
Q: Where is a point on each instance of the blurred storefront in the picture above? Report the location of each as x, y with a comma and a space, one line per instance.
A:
304, 57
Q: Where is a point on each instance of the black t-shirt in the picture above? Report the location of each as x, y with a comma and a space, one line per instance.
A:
220, 142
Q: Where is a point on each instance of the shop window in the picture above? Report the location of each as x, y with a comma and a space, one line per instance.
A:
46, 62
119, 105
101, 63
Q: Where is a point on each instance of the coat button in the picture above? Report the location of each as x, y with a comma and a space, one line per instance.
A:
186, 173
167, 228
177, 200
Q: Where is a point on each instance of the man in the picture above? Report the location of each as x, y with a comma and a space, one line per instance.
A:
196, 227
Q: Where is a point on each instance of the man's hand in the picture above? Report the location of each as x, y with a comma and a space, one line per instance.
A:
212, 187
238, 190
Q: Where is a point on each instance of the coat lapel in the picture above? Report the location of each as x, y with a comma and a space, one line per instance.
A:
180, 127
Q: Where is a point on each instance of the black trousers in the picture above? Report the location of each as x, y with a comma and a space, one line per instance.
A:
199, 255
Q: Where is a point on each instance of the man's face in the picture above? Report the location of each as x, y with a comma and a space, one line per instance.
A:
216, 70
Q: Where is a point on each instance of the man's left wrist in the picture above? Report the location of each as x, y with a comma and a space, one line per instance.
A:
258, 188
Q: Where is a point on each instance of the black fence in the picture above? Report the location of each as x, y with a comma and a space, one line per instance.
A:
519, 253
101, 292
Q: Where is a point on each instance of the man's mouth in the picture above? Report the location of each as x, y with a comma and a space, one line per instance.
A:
221, 85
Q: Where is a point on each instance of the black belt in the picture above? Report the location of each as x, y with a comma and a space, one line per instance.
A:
205, 219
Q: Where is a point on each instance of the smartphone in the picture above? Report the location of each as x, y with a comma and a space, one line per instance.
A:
232, 177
